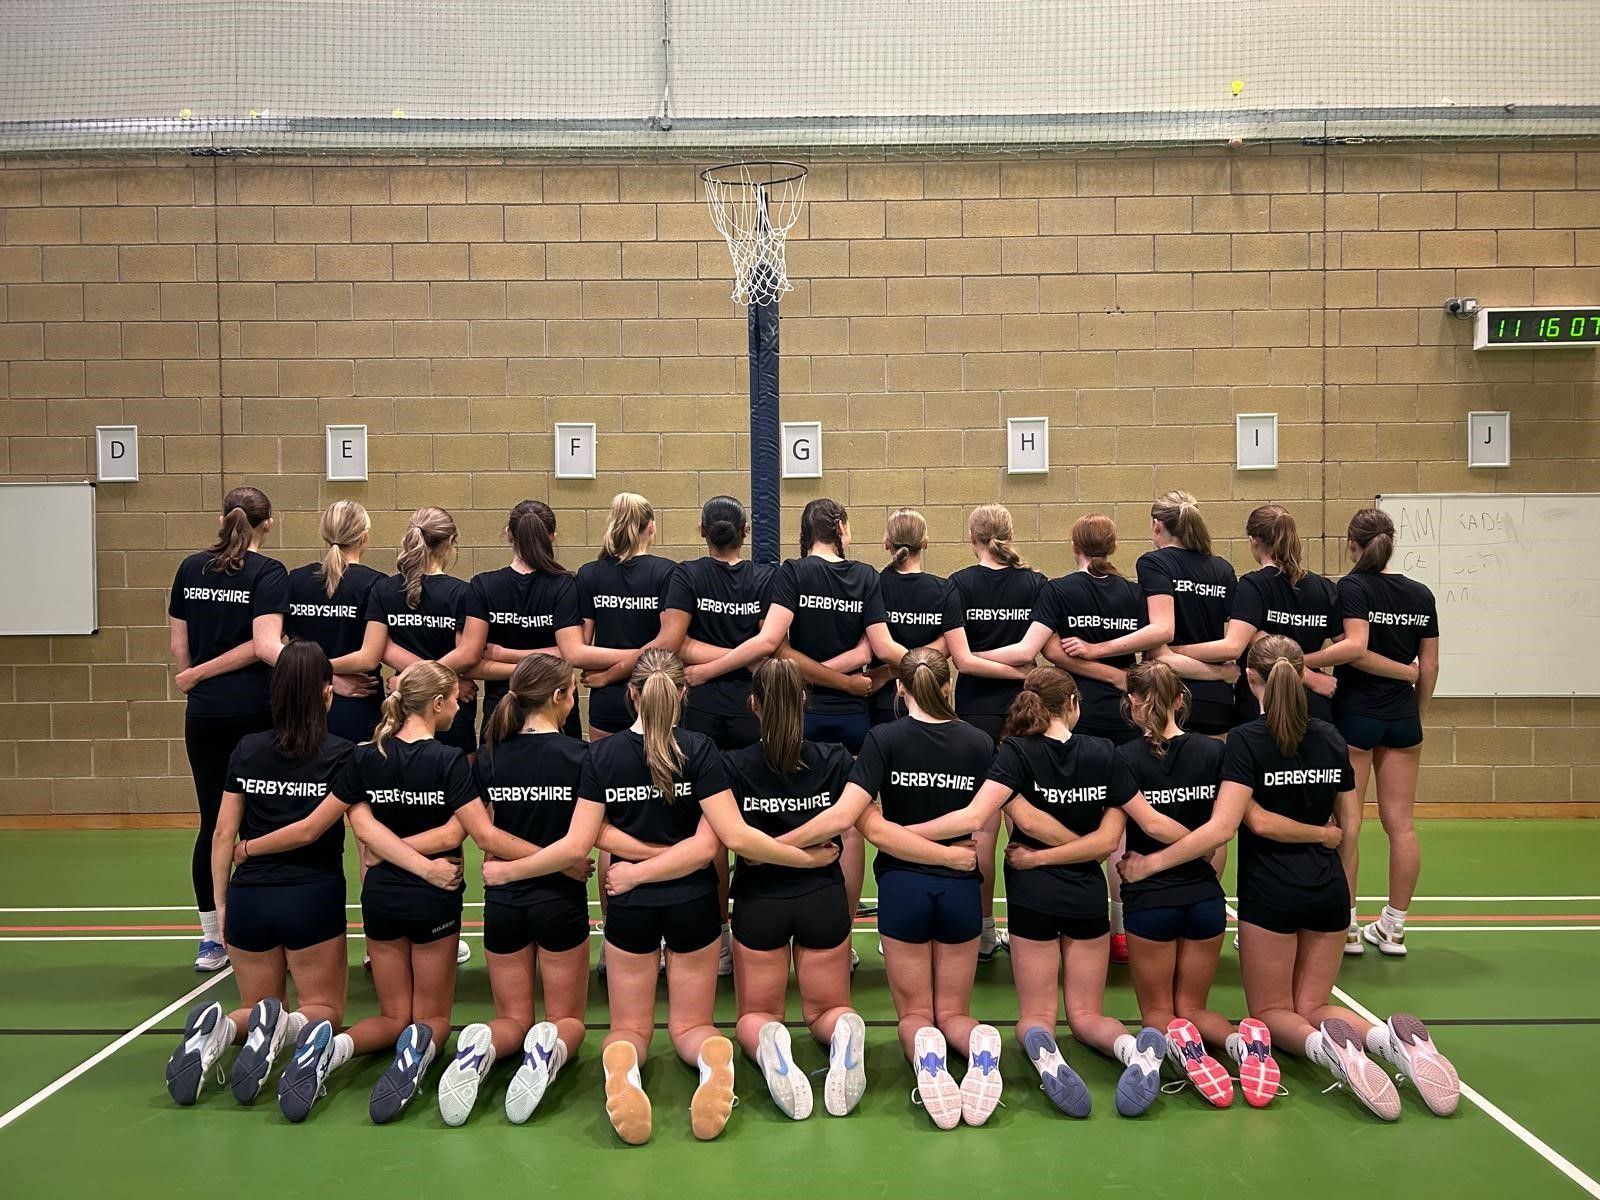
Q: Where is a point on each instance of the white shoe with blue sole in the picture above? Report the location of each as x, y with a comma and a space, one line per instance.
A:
205, 1037
787, 1084
1141, 1079
263, 1040
302, 1083
1060, 1082
398, 1086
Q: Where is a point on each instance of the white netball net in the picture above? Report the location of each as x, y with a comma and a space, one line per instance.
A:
754, 205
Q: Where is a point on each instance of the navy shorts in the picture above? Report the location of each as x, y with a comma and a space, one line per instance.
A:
1197, 922
685, 927
727, 731
1032, 925
917, 907
847, 729
553, 923
291, 916
819, 920
1368, 733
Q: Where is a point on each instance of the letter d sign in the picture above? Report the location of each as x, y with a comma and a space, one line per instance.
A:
117, 453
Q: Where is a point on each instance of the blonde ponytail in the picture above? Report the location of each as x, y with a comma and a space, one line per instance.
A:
1179, 514
1279, 664
990, 527
656, 687
428, 539
1165, 697
345, 525
904, 535
415, 688
627, 526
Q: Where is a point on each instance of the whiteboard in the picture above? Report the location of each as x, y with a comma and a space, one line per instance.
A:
1517, 579
47, 547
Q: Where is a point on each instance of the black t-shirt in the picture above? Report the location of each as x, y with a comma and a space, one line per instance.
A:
624, 598
430, 630
1305, 614
914, 605
776, 804
337, 623
833, 604
279, 791
1181, 784
1400, 614
1302, 789
412, 787
726, 603
1201, 587
530, 782
220, 611
617, 775
1095, 608
524, 609
1074, 781
920, 770
995, 605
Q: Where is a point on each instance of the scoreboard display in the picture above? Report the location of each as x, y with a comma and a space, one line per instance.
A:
1533, 328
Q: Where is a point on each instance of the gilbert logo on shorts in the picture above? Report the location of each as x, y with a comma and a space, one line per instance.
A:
629, 603
1301, 776
414, 620
1079, 795
332, 612
516, 620
933, 779
1181, 795
219, 595
1200, 589
1390, 618
786, 804
405, 796
529, 795
637, 795
831, 603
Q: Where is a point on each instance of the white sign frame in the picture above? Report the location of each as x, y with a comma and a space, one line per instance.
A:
1481, 428
563, 465
791, 433
1266, 457
123, 469
334, 463
1016, 463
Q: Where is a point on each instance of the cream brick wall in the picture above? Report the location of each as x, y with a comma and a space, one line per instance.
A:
230, 308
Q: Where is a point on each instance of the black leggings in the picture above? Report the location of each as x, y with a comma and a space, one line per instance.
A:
210, 742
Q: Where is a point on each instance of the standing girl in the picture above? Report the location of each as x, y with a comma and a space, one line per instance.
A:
226, 627
913, 602
284, 914
328, 605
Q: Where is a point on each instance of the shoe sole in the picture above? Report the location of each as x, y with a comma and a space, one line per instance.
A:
845, 1085
1258, 1077
1139, 1085
527, 1086
299, 1085
1206, 1075
251, 1067
981, 1088
939, 1095
463, 953
789, 1087
1060, 1083
186, 1069
1387, 948
1369, 1082
458, 1093
712, 1103
1432, 1073
627, 1107
397, 1087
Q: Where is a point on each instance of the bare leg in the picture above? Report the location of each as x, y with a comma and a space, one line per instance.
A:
1396, 771
631, 989
1083, 983
1267, 965
321, 976
511, 982
909, 969
986, 840
691, 997
391, 976
1196, 969
433, 986
953, 969
853, 861
824, 979
1154, 967
1036, 971
565, 980
1361, 761
259, 975
1316, 969
761, 983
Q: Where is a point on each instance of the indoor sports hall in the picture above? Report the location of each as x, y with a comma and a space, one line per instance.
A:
946, 328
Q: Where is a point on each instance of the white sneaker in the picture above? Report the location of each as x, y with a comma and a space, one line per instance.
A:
211, 956
661, 966
712, 1102
263, 1040
1389, 944
1347, 1059
1411, 1051
206, 1035
540, 1050
458, 1084
463, 952
1354, 947
788, 1085
981, 1085
627, 1107
936, 1091
855, 960
846, 1081
725, 953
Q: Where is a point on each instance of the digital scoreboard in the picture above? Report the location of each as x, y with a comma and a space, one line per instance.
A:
1534, 328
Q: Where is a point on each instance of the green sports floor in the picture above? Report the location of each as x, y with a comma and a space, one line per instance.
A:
96, 943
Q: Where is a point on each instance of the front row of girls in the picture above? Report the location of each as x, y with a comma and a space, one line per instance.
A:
663, 802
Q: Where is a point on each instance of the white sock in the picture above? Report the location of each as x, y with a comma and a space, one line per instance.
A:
727, 932
558, 1058
1378, 1041
210, 927
1353, 923
343, 1047
1124, 1047
705, 1071
231, 1029
988, 926
1235, 1046
1393, 919
1117, 927
1314, 1049
297, 1023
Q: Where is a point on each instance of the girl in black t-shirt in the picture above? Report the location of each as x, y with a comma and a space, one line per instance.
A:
328, 605
285, 911
1292, 774
914, 603
1388, 664
790, 789
919, 768
226, 627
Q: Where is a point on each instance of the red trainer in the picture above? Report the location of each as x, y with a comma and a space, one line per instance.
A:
1258, 1070
1205, 1072
1119, 949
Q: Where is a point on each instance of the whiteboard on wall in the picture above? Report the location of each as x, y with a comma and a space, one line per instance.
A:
1517, 580
47, 548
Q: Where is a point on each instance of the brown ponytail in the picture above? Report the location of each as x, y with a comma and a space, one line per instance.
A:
925, 674
1165, 698
532, 525
1372, 533
1094, 538
989, 526
780, 696
299, 713
1273, 526
822, 523
630, 519
345, 525
1179, 514
656, 688
428, 539
415, 688
244, 510
905, 534
1047, 693
1278, 663
533, 684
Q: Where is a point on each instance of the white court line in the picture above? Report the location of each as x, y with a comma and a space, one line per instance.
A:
95, 1060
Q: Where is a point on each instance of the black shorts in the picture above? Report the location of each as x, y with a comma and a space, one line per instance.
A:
727, 731
914, 906
548, 922
1326, 910
463, 731
293, 916
685, 927
354, 718
847, 729
1119, 732
1210, 717
988, 722
419, 914
1197, 922
1368, 733
608, 708
818, 920
1034, 926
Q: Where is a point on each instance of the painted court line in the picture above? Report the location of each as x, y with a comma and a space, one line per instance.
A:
95, 1060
